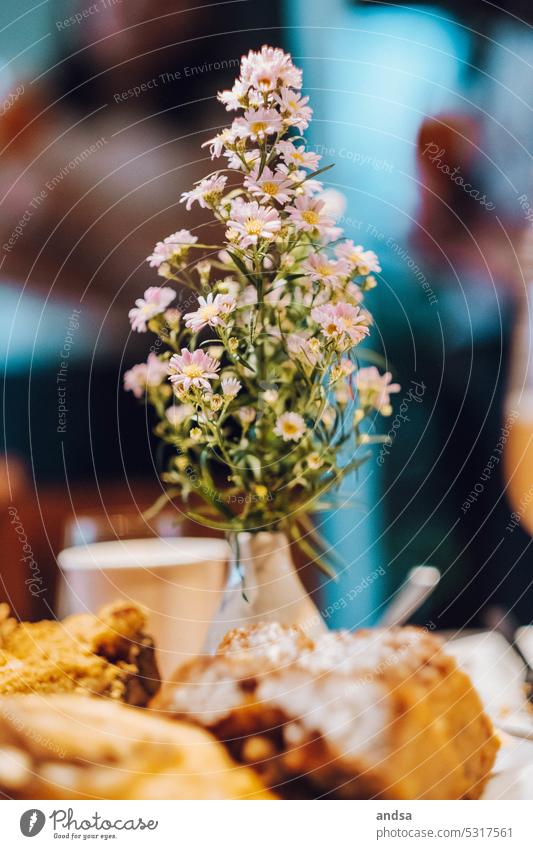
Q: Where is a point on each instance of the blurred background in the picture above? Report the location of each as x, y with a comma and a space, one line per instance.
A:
426, 111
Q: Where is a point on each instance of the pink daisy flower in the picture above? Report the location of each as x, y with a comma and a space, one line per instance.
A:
364, 261
299, 346
179, 413
253, 222
258, 123
335, 203
250, 157
290, 426
342, 319
219, 142
346, 366
211, 311
294, 108
309, 188
192, 369
268, 68
155, 301
354, 292
150, 373
308, 214
271, 185
230, 386
231, 98
319, 267
174, 245
298, 156
246, 415
331, 234
375, 388
207, 192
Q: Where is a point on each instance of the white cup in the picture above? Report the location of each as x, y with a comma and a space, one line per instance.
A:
178, 580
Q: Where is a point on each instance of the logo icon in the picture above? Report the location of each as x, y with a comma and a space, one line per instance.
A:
32, 822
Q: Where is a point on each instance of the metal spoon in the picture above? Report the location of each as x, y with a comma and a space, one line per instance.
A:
418, 586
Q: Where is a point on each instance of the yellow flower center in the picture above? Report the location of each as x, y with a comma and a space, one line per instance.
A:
323, 269
209, 311
253, 226
310, 217
258, 127
270, 188
193, 370
212, 198
290, 428
298, 157
331, 328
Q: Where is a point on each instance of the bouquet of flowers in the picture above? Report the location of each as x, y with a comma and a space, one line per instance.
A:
255, 375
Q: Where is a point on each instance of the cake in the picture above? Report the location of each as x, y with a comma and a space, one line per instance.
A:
105, 654
75, 747
372, 714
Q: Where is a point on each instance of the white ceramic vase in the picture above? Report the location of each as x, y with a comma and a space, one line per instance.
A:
262, 586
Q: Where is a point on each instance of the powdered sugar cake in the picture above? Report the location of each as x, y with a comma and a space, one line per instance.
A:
274, 642
382, 713
104, 654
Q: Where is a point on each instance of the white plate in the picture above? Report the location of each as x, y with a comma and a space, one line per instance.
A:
496, 670
513, 772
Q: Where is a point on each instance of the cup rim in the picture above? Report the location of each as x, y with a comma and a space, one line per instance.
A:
157, 552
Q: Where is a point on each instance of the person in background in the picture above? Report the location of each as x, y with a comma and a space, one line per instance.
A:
460, 339
95, 152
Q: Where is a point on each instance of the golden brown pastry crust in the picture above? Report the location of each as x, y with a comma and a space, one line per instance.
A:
73, 747
106, 654
375, 714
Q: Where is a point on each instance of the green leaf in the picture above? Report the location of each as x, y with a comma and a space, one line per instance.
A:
208, 495
320, 171
375, 439
373, 357
255, 465
319, 540
310, 553
204, 466
202, 519
240, 265
160, 503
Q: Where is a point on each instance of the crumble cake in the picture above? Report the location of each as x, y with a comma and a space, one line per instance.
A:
105, 654
372, 714
74, 747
